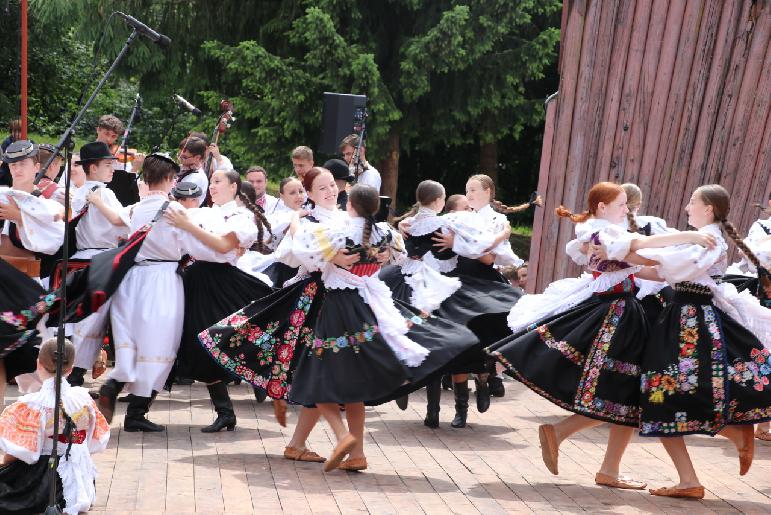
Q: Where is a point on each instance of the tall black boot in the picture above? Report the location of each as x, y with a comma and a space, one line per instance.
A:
135, 415
433, 396
461, 404
482, 394
226, 417
107, 395
77, 376
403, 402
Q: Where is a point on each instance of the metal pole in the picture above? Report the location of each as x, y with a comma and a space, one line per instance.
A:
23, 69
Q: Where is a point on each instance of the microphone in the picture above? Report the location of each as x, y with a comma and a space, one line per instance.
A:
157, 38
184, 104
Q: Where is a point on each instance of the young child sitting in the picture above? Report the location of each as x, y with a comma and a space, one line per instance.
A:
26, 429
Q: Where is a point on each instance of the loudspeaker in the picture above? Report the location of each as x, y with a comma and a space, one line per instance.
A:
339, 114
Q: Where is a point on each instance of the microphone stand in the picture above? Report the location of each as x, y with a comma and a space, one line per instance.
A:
66, 138
127, 132
357, 164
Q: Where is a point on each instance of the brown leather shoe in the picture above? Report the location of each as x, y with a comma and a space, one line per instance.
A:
549, 447
619, 482
302, 454
279, 410
694, 492
340, 452
353, 464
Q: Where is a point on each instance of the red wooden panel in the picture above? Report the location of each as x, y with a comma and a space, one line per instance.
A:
730, 21
678, 93
690, 81
569, 74
612, 100
692, 109
717, 150
536, 243
644, 100
749, 89
626, 110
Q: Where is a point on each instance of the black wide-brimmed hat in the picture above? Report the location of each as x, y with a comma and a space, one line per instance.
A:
94, 151
186, 190
19, 150
339, 169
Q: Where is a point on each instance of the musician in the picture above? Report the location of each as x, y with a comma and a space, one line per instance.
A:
219, 161
191, 158
124, 184
48, 185
302, 161
368, 174
258, 178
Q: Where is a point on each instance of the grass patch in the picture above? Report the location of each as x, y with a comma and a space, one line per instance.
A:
522, 230
53, 140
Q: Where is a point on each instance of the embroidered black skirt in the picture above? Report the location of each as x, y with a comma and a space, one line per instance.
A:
702, 370
212, 292
586, 359
326, 344
21, 307
482, 304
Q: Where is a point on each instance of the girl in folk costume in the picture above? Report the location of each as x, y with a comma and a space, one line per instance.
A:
148, 307
100, 222
744, 274
422, 282
757, 280
705, 369
257, 342
360, 346
579, 343
29, 226
486, 297
214, 286
635, 222
292, 194
26, 437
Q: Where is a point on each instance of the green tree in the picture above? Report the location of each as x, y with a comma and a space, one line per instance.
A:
435, 73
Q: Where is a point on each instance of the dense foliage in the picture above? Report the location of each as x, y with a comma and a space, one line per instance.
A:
454, 87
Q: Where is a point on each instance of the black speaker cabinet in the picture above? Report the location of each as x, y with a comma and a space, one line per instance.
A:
338, 116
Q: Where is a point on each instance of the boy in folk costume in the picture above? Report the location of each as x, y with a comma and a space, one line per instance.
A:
101, 223
26, 437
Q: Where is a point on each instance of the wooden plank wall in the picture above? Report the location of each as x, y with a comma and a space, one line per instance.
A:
669, 94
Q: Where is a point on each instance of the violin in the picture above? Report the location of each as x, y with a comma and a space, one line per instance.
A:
126, 157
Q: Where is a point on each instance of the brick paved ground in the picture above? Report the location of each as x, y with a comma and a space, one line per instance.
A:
493, 466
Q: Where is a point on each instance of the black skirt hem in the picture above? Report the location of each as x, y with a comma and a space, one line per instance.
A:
513, 372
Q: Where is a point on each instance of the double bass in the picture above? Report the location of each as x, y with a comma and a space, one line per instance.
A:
224, 122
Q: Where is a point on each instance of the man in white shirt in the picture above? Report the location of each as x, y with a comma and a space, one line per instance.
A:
368, 174
257, 176
123, 184
302, 161
219, 161
192, 151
